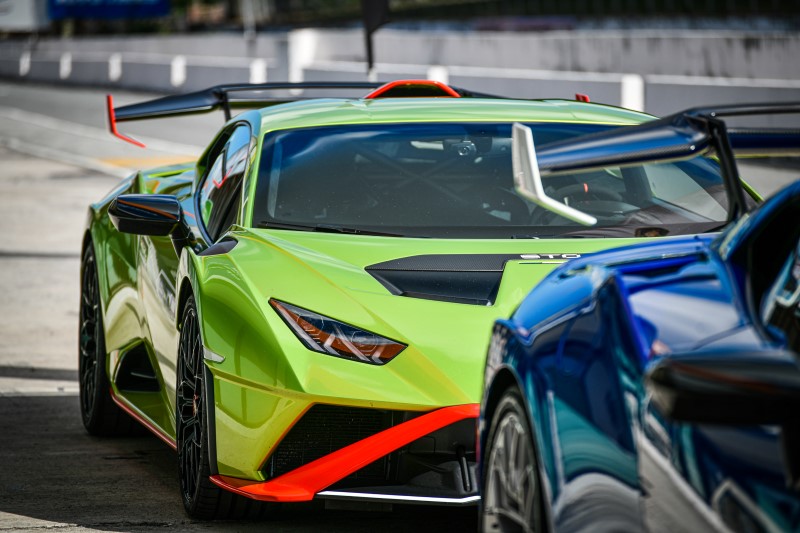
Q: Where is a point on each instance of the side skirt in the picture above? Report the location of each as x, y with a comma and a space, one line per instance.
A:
142, 419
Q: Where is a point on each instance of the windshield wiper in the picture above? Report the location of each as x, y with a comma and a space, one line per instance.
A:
325, 228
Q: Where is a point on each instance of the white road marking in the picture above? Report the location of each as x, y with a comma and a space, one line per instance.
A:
91, 132
15, 522
61, 156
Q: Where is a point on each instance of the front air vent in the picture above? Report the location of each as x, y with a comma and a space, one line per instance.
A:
438, 463
135, 372
325, 429
457, 278
474, 288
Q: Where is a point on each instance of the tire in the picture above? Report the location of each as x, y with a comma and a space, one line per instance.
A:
510, 487
201, 498
101, 416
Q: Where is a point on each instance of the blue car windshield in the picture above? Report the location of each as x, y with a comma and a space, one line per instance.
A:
455, 180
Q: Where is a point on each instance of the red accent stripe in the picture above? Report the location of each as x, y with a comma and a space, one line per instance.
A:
303, 483
112, 123
155, 430
380, 91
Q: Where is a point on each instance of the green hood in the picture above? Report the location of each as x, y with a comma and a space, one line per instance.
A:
330, 275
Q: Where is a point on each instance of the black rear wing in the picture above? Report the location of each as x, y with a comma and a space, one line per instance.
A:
690, 133
226, 97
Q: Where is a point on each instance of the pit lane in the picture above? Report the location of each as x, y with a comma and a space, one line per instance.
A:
56, 159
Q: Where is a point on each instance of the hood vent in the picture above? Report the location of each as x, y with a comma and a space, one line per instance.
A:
457, 278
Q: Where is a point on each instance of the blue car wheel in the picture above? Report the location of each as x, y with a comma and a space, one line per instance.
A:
510, 492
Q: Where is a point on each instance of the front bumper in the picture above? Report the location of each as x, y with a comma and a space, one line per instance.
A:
313, 478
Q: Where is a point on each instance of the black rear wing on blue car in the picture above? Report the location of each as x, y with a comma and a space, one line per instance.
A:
690, 133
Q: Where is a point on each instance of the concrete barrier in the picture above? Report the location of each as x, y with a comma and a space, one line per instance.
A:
658, 72
666, 94
9, 67
89, 72
684, 52
146, 75
44, 69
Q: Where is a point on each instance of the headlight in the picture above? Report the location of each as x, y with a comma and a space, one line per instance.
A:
326, 335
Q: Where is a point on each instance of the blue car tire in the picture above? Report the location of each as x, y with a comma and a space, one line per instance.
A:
510, 491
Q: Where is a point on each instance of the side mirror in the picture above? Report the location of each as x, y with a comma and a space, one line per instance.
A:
146, 214
727, 387
735, 388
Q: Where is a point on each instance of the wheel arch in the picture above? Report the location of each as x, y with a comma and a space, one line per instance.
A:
91, 239
87, 240
187, 284
186, 289
184, 292
504, 379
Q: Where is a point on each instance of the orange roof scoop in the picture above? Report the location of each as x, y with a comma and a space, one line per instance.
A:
413, 89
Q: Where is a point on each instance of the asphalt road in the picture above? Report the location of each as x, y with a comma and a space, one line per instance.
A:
56, 158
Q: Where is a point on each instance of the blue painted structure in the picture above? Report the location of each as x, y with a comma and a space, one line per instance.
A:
661, 381
107, 9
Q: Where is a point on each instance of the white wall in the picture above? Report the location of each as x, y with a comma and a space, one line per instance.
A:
658, 71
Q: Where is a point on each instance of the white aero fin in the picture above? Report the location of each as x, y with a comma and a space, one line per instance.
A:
528, 179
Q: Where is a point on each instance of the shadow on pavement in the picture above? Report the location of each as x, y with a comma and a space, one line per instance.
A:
54, 472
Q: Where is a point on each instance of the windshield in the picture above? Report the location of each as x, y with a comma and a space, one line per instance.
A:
455, 181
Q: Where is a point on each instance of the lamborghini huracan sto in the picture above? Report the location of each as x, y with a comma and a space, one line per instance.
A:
304, 312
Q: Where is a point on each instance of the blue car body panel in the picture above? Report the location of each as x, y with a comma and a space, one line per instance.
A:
580, 345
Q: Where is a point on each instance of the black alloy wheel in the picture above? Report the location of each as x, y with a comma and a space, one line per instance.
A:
190, 409
101, 416
201, 498
511, 499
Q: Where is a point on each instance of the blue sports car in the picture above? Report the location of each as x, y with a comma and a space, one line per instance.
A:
653, 387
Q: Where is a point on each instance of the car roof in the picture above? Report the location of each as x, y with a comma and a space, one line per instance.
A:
332, 111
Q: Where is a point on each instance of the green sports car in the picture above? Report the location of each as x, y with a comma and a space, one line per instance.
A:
305, 311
